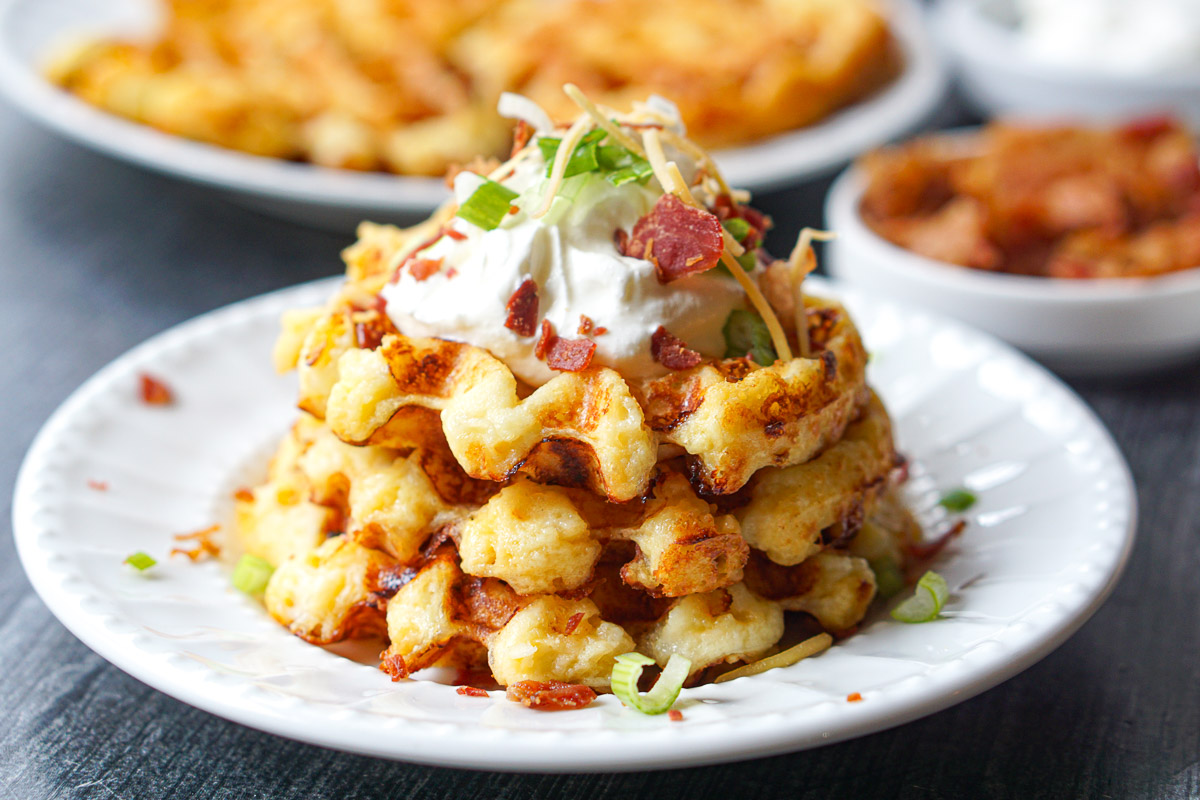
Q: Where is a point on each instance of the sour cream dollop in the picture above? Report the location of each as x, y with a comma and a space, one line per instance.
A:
1116, 36
572, 257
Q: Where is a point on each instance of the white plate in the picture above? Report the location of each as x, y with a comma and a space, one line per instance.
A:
1044, 547
341, 198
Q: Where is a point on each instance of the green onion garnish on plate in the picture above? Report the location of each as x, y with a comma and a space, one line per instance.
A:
251, 574
659, 699
957, 500
140, 561
926, 603
488, 205
583, 158
738, 228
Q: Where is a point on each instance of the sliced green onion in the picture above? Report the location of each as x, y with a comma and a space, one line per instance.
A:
747, 260
745, 332
583, 158
661, 697
738, 228
488, 205
926, 603
140, 561
623, 165
889, 578
957, 500
251, 574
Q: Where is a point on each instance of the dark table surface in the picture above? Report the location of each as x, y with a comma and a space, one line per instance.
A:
96, 256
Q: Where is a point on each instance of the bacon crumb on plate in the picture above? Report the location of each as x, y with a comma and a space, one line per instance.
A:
155, 392
671, 352
854, 697
586, 326
675, 715
550, 695
678, 239
99, 486
471, 691
522, 309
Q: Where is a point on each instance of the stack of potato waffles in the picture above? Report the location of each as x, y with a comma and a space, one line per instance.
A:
534, 533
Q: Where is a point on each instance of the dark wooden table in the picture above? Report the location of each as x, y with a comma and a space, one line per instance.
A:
96, 256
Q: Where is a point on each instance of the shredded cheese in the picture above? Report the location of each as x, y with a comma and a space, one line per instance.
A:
801, 262
565, 148
602, 121
698, 153
793, 655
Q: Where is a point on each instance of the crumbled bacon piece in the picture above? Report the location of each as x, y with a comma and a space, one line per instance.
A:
451, 272
155, 392
927, 550
675, 715
672, 353
854, 697
457, 236
244, 494
422, 268
523, 309
432, 240
550, 695
621, 241
573, 623
678, 239
586, 326
205, 546
726, 208
565, 355
471, 691
99, 486
570, 355
1146, 128
600, 331
522, 133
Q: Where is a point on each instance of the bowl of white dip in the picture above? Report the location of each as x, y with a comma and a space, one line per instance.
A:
1083, 59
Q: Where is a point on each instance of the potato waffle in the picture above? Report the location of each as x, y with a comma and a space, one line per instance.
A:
411, 87
536, 528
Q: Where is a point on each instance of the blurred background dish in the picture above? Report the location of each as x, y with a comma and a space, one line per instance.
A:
1096, 59
1067, 242
862, 84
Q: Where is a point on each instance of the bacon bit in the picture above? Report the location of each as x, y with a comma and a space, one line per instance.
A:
451, 272
523, 310
550, 695
586, 325
678, 239
514, 209
564, 355
725, 208
471, 691
522, 133
99, 486
422, 268
573, 623
675, 715
621, 241
155, 392
379, 303
432, 240
457, 236
368, 335
570, 355
543, 342
854, 697
924, 551
1146, 128
244, 494
600, 331
672, 353
205, 546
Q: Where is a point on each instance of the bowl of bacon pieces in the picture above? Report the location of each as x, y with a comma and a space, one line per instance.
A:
577, 430
1078, 243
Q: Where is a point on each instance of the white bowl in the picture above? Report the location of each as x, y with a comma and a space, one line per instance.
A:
1103, 326
999, 78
